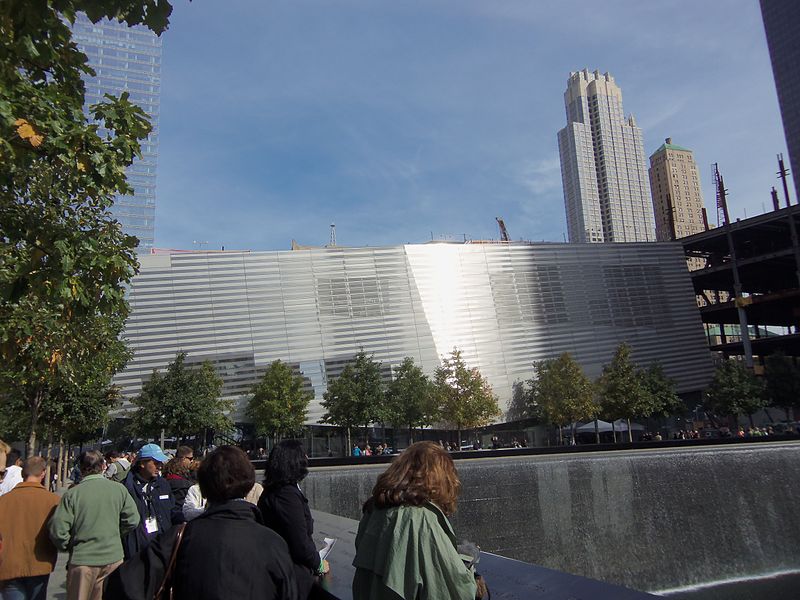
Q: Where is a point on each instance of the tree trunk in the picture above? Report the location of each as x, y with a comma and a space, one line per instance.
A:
560, 437
35, 405
411, 435
596, 431
458, 442
49, 453
630, 433
348, 451
614, 432
62, 461
31, 443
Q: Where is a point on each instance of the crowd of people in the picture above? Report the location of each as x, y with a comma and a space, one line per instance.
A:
147, 525
365, 449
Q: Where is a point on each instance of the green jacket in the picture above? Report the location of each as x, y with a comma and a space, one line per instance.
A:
409, 553
90, 520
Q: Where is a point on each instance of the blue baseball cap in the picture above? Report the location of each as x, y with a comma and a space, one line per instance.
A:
152, 451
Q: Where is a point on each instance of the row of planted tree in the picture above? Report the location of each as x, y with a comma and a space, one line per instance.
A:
457, 395
184, 400
561, 394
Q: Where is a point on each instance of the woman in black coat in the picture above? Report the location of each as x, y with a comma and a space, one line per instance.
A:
285, 509
225, 553
177, 474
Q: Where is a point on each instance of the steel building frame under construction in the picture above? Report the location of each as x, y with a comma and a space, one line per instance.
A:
754, 265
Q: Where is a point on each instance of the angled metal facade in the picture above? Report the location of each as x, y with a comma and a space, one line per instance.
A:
504, 306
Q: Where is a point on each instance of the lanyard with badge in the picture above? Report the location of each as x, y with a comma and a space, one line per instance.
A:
150, 523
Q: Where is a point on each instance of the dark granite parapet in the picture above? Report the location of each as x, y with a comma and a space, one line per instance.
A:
507, 579
647, 519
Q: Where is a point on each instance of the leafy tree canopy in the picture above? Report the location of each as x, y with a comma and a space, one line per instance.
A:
563, 392
623, 393
661, 397
82, 404
279, 402
783, 381
734, 390
356, 397
64, 260
523, 403
466, 399
182, 401
410, 397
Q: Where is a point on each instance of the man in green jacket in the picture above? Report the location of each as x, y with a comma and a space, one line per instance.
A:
89, 523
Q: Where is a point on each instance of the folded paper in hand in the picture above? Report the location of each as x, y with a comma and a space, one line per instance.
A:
326, 550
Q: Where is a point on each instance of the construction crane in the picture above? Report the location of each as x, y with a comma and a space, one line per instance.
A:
503, 230
722, 197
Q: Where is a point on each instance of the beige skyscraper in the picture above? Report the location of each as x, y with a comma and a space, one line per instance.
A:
606, 195
675, 187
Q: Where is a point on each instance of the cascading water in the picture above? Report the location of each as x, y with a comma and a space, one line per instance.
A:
650, 519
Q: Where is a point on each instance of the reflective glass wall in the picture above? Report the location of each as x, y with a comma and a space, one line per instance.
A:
128, 59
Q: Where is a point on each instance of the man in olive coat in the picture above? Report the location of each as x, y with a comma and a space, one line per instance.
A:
88, 523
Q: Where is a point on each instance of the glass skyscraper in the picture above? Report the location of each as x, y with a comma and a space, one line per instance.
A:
128, 59
606, 187
781, 22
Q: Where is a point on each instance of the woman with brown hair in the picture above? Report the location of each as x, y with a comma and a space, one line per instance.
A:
405, 546
178, 474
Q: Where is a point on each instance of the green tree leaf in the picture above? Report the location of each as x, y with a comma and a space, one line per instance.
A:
64, 261
783, 381
735, 390
356, 397
278, 402
411, 398
562, 391
182, 401
465, 398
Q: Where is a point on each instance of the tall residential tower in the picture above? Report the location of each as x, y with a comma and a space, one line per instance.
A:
677, 197
781, 23
128, 59
606, 189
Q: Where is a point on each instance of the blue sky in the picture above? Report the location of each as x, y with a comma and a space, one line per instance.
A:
398, 120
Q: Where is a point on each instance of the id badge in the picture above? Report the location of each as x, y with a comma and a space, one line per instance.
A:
151, 525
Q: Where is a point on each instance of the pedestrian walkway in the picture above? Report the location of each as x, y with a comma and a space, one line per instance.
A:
57, 588
507, 578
